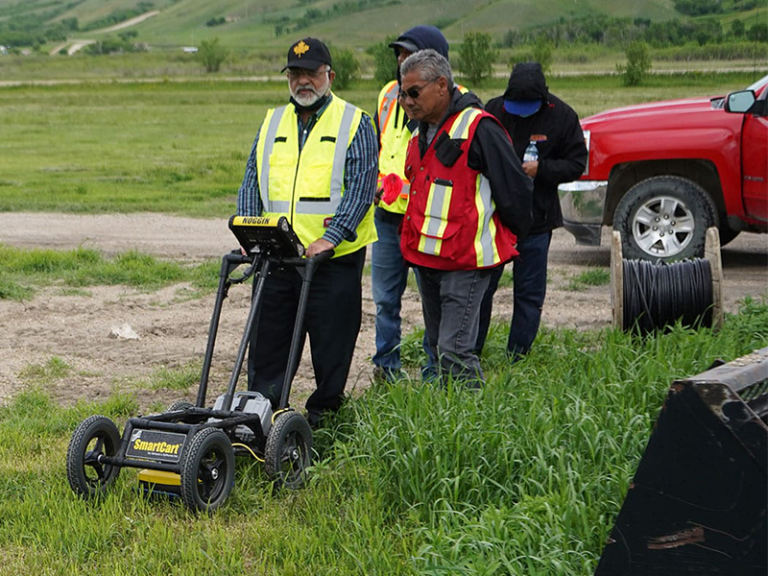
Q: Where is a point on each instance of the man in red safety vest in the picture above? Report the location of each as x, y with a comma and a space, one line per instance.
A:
469, 199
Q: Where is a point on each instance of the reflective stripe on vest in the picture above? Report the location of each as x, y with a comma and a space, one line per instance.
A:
388, 104
439, 201
337, 175
485, 247
460, 129
269, 143
435, 218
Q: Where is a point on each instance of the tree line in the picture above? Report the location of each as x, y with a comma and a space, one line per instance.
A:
619, 32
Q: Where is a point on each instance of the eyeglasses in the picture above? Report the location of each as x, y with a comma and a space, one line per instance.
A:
296, 73
415, 92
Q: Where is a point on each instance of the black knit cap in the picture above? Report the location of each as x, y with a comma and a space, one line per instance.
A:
308, 53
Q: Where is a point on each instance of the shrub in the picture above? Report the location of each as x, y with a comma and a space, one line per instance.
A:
384, 59
542, 53
346, 66
638, 64
476, 57
212, 54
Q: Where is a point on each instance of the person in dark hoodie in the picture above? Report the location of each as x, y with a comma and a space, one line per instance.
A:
469, 198
389, 273
543, 126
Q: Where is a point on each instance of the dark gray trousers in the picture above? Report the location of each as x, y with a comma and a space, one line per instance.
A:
451, 302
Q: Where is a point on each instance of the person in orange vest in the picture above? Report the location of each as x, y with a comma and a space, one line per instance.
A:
469, 200
389, 272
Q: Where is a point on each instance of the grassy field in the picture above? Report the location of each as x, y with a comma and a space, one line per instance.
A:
180, 147
267, 62
23, 271
523, 478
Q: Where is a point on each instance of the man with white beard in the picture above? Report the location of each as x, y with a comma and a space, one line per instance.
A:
314, 161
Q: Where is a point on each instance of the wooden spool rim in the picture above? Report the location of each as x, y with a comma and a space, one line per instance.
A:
617, 280
711, 254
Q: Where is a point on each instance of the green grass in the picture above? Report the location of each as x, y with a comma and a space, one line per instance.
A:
181, 147
524, 477
590, 277
177, 378
133, 148
53, 369
23, 270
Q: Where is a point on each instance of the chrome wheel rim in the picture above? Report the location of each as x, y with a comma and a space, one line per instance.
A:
663, 226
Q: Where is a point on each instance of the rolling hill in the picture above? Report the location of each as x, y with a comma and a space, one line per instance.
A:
249, 24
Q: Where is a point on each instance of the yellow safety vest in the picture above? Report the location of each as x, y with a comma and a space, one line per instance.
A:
394, 143
394, 136
307, 186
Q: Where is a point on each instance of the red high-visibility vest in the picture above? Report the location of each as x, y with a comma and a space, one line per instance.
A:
451, 222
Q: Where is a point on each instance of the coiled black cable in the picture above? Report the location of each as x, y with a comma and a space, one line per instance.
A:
659, 295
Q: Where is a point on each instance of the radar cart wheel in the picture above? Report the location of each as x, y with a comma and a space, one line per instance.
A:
95, 437
288, 452
207, 470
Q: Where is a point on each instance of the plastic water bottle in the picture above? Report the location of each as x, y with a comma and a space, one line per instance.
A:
531, 153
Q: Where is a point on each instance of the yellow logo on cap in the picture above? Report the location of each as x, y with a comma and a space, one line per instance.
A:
300, 49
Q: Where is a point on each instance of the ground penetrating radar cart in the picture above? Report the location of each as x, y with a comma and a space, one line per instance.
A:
189, 450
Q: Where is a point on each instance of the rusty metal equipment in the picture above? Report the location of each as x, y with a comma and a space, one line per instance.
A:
698, 502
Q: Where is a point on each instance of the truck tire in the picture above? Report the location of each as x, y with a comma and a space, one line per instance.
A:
664, 218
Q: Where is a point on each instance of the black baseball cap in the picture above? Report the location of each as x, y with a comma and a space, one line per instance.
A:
309, 53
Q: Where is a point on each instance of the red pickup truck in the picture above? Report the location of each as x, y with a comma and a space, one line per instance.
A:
662, 173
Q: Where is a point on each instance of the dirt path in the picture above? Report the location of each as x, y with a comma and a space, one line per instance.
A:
172, 325
74, 46
131, 22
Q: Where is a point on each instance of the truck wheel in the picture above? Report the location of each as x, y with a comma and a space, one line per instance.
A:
664, 218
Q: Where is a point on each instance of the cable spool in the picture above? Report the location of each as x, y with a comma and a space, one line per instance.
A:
649, 297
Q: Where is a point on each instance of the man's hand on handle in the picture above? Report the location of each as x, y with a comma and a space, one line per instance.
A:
319, 245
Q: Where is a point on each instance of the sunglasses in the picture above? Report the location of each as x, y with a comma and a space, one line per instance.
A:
296, 73
415, 92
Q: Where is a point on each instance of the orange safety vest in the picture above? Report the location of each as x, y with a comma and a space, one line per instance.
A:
451, 222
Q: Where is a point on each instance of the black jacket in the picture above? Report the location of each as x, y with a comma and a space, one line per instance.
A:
492, 154
562, 153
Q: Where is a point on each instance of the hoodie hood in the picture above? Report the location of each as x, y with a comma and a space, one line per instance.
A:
527, 83
421, 38
460, 101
